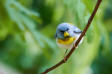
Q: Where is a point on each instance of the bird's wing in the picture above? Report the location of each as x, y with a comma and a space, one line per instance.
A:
77, 30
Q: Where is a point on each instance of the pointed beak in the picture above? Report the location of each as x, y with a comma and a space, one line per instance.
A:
66, 34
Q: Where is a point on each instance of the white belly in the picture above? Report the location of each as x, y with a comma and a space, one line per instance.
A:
68, 46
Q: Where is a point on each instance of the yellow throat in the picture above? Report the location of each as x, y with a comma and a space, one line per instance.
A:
66, 34
67, 40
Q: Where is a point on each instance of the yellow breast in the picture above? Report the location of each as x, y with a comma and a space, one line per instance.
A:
66, 41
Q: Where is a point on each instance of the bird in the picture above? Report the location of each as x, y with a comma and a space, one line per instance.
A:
66, 35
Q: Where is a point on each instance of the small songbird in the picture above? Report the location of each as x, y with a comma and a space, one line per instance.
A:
66, 35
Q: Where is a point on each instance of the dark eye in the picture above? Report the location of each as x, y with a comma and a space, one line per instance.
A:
67, 29
61, 31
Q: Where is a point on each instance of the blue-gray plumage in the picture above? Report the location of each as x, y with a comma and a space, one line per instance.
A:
66, 35
71, 29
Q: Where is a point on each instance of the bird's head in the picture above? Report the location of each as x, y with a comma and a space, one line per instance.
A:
64, 31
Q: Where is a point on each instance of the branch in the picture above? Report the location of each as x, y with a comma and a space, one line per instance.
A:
77, 42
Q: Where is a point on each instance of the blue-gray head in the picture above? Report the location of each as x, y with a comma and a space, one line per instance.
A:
67, 28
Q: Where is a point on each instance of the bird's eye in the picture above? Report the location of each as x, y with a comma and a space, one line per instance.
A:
62, 31
67, 29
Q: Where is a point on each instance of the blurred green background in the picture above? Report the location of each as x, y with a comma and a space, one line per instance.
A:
27, 43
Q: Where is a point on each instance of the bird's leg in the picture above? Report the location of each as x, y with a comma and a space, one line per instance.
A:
65, 54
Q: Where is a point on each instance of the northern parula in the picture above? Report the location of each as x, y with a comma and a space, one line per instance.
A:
66, 35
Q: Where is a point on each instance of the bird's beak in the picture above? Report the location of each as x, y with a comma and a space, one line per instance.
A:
66, 34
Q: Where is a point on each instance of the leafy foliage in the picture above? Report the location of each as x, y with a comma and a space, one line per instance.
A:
27, 31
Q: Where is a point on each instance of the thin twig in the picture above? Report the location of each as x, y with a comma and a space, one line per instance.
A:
77, 42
